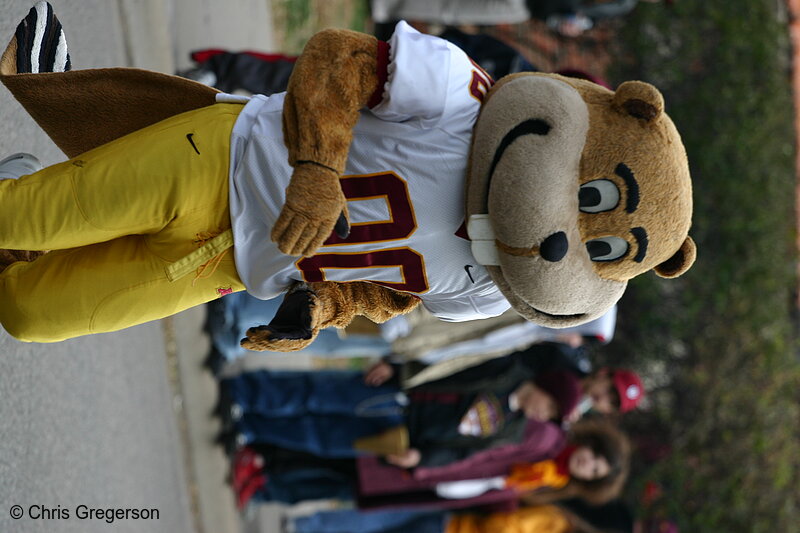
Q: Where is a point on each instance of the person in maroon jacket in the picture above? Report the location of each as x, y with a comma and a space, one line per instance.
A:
268, 473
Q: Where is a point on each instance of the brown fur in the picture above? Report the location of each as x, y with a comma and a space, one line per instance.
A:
331, 82
8, 62
625, 138
537, 177
375, 302
61, 102
679, 262
314, 200
335, 305
651, 147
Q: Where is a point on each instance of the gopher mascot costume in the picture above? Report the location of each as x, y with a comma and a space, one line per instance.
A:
387, 175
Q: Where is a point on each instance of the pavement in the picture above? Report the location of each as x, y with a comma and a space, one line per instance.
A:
119, 420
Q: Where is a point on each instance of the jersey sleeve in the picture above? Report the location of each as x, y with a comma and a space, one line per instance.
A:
466, 307
430, 81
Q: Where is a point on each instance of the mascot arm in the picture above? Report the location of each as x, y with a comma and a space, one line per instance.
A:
309, 307
334, 78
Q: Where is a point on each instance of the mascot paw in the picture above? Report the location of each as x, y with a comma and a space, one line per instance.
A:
294, 325
261, 340
315, 207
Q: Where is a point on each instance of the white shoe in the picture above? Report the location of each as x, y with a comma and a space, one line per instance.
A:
199, 74
14, 166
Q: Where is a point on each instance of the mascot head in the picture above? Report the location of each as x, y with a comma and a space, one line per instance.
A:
573, 190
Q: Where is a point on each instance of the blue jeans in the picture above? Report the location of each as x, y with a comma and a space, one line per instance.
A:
231, 317
320, 412
353, 521
305, 484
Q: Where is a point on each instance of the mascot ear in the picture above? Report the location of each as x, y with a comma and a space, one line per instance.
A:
679, 262
639, 99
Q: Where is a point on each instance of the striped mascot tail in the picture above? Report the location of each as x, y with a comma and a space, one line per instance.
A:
38, 45
40, 42
85, 108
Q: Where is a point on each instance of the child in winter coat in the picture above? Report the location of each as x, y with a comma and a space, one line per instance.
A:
593, 466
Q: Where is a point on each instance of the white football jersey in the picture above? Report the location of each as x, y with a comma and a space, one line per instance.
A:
404, 182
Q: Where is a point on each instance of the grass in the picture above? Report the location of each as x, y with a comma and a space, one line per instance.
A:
725, 336
297, 20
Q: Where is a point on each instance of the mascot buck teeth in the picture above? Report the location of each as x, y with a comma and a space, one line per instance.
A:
388, 175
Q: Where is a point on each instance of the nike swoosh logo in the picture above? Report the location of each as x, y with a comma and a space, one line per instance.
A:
189, 138
467, 267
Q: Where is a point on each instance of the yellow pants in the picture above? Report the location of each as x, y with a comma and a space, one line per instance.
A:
117, 218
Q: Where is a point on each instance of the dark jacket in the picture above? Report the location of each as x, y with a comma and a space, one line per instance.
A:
436, 409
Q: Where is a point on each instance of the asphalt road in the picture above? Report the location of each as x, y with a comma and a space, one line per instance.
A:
88, 422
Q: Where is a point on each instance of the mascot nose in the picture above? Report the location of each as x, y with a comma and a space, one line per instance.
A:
554, 247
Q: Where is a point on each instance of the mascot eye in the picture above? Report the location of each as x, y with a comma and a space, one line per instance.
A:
598, 195
607, 248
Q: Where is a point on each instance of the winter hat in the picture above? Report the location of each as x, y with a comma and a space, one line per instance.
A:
629, 387
563, 386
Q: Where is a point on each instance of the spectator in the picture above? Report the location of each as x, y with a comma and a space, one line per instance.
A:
297, 476
450, 12
447, 420
611, 390
248, 71
260, 73
593, 465
605, 391
449, 347
573, 17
